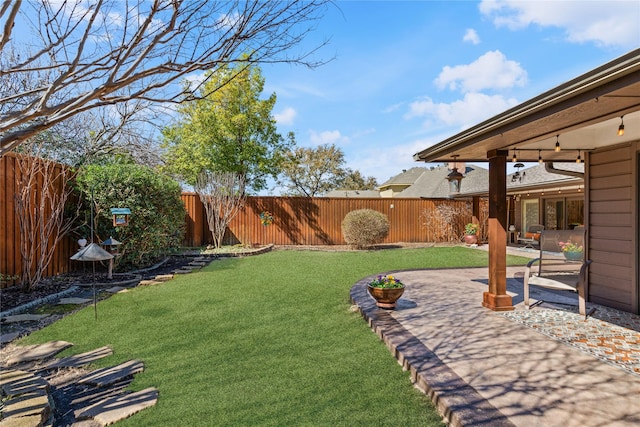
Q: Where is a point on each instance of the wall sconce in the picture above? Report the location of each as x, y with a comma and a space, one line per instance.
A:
558, 143
621, 127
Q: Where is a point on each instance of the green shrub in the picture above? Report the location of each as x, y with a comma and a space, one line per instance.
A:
156, 224
364, 227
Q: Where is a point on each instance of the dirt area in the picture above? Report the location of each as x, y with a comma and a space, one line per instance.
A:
14, 296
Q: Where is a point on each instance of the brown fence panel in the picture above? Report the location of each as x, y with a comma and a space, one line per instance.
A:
10, 258
318, 221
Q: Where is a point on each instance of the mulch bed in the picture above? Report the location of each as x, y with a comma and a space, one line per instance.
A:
14, 296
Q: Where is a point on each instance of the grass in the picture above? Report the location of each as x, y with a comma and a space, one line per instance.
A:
266, 340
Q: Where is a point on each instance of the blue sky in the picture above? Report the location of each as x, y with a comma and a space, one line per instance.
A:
406, 75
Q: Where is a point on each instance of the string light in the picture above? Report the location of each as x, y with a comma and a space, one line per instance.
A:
578, 160
621, 127
558, 143
514, 158
539, 157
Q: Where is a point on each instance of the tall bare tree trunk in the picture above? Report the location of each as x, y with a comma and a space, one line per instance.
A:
43, 192
223, 196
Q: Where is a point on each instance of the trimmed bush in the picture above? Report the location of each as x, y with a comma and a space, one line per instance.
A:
364, 227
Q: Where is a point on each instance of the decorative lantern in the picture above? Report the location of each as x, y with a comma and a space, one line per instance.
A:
120, 216
455, 180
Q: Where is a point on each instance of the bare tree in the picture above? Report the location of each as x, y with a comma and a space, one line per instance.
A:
95, 53
88, 137
223, 195
43, 191
445, 222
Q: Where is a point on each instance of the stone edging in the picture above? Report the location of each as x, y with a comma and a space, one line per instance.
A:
37, 302
248, 252
457, 402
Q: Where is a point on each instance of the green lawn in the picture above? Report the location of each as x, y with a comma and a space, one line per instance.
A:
266, 340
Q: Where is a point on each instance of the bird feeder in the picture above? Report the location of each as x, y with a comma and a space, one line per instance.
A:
111, 245
120, 216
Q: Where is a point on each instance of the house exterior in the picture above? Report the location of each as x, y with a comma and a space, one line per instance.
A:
551, 194
593, 118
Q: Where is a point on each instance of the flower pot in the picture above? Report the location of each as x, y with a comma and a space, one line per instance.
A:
573, 256
386, 297
471, 239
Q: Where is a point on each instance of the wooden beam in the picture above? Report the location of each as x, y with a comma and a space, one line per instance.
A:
496, 297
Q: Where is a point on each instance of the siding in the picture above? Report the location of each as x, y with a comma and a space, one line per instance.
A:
612, 228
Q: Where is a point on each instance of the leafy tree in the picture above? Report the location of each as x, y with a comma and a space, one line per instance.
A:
354, 180
314, 171
156, 226
228, 129
82, 55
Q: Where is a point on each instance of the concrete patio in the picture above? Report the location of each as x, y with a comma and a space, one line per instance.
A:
523, 368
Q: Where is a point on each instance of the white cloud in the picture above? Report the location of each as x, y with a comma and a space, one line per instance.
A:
491, 71
473, 108
327, 137
195, 80
608, 23
286, 116
471, 36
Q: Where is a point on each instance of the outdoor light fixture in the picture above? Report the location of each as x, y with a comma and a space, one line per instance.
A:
514, 158
578, 160
539, 157
557, 143
621, 127
454, 178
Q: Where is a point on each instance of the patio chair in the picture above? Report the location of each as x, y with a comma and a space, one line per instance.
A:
532, 236
553, 272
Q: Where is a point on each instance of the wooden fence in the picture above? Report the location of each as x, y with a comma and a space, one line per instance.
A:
10, 258
317, 221
297, 221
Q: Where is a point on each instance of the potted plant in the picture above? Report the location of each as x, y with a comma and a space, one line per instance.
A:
471, 233
386, 290
571, 251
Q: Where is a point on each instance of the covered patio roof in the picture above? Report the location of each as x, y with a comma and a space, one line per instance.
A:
581, 114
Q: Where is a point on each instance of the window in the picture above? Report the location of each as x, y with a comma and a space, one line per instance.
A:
554, 214
530, 213
563, 214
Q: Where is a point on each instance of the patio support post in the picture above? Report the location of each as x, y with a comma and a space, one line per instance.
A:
496, 298
476, 209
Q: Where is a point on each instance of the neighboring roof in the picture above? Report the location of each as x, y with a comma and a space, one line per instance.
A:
583, 114
537, 176
431, 183
530, 179
407, 177
365, 194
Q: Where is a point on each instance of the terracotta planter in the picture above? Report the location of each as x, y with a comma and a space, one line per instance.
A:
386, 297
573, 256
471, 239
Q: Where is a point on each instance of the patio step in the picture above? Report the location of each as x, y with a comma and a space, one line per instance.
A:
107, 376
37, 352
113, 409
27, 401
